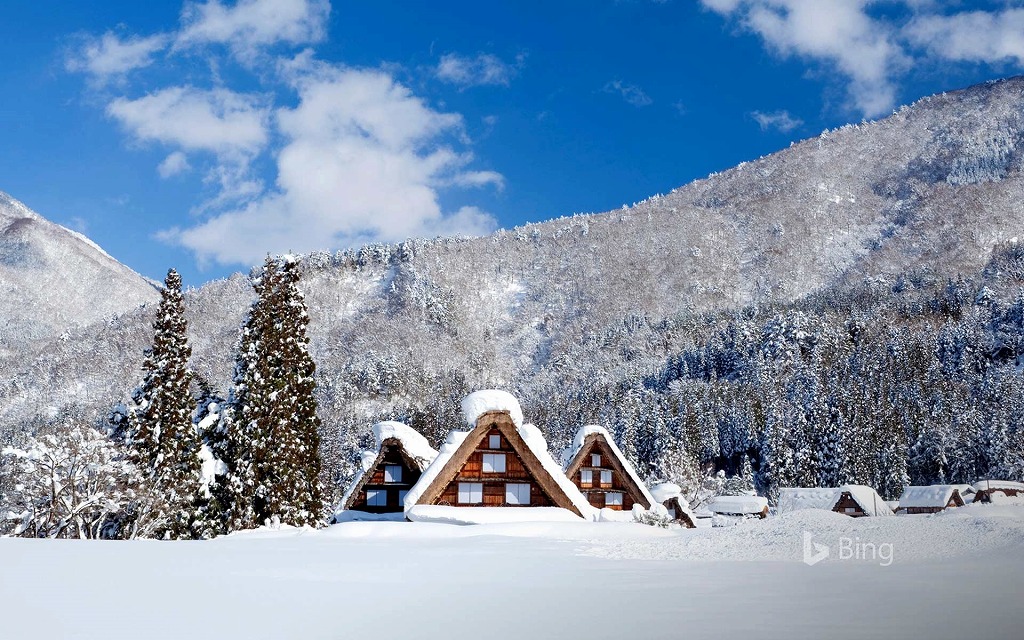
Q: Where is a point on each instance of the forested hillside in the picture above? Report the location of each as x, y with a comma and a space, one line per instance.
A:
847, 309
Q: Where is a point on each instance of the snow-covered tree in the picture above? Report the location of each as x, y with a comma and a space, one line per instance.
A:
78, 484
273, 448
160, 433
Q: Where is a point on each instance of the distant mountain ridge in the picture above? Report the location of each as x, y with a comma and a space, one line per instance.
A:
56, 281
935, 187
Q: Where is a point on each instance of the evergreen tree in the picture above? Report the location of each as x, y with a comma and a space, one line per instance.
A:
273, 442
160, 434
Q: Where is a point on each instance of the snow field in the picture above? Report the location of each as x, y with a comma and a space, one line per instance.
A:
529, 580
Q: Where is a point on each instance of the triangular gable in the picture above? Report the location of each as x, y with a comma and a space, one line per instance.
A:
397, 446
591, 440
465, 464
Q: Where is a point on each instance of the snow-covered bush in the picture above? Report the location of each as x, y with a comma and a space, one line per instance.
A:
76, 484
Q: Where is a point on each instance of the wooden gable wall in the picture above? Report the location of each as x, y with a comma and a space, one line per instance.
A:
598, 488
375, 481
494, 483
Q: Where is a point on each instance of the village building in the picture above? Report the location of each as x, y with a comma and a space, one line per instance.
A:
930, 499
501, 469
997, 490
745, 506
852, 499
602, 473
670, 495
386, 474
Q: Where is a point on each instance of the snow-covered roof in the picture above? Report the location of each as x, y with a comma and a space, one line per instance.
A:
792, 499
414, 444
480, 402
737, 504
667, 491
539, 446
596, 429
964, 489
937, 495
983, 485
448, 448
868, 499
796, 498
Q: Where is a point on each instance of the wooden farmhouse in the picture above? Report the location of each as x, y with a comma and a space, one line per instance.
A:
499, 464
388, 473
597, 467
995, 490
930, 499
670, 496
852, 499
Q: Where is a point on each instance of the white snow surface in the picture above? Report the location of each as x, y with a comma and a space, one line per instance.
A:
737, 504
667, 491
301, 583
937, 495
577, 444
489, 515
480, 402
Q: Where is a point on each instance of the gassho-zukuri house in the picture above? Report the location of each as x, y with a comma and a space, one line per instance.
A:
929, 499
387, 474
596, 466
852, 499
499, 471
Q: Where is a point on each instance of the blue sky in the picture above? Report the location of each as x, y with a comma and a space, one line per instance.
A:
202, 135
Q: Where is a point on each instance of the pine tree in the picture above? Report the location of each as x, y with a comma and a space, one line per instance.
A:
160, 435
273, 442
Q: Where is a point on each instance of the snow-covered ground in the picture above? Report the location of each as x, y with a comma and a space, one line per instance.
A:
953, 575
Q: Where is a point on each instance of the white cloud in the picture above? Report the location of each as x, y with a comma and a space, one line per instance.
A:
779, 120
631, 93
363, 160
109, 55
174, 164
484, 69
216, 120
975, 36
839, 32
249, 24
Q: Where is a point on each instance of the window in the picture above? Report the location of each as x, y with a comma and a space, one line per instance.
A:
613, 499
851, 510
471, 492
401, 498
494, 463
494, 442
586, 477
595, 459
606, 477
392, 473
376, 497
517, 493
672, 512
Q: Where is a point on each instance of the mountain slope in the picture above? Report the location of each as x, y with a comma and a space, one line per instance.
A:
935, 187
55, 280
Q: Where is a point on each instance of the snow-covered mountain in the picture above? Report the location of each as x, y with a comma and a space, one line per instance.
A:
933, 188
56, 281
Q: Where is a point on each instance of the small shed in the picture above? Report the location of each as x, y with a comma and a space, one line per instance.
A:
746, 506
985, 489
501, 464
930, 499
852, 499
670, 496
386, 474
602, 473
